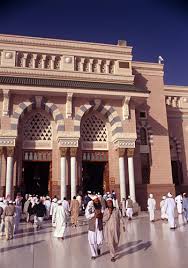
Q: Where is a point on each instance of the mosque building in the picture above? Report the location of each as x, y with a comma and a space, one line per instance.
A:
78, 116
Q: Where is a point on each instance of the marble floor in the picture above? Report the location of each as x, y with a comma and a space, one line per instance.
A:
144, 244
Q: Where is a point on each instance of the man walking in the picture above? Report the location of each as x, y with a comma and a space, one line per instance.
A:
74, 208
94, 216
162, 207
151, 207
60, 220
185, 206
111, 219
178, 200
2, 222
39, 210
170, 206
8, 216
66, 208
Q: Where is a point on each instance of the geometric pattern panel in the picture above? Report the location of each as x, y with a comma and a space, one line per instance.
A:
93, 129
37, 127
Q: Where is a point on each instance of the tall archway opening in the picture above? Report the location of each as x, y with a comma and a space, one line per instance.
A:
94, 142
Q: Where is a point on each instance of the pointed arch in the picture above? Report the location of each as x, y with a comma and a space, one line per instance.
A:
38, 102
106, 110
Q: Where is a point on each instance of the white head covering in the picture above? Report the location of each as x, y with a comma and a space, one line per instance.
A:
169, 194
164, 197
151, 195
54, 200
129, 196
109, 199
1, 199
184, 194
10, 202
59, 202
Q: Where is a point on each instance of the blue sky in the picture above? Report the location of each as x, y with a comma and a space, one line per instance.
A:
152, 27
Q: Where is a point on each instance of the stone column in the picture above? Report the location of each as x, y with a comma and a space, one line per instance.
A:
73, 152
63, 152
122, 173
130, 153
9, 171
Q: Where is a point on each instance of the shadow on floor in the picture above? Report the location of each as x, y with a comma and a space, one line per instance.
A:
144, 246
2, 250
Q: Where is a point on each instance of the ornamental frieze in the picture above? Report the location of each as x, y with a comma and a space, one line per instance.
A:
7, 141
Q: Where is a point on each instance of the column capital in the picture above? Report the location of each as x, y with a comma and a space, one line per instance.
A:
121, 152
10, 151
73, 151
130, 152
63, 151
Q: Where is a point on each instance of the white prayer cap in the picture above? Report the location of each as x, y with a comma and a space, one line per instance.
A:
10, 202
109, 199
47, 197
1, 199
59, 202
54, 200
151, 195
129, 196
184, 194
164, 197
89, 192
169, 194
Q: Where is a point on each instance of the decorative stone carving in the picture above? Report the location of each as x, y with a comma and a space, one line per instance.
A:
130, 152
124, 143
125, 106
73, 151
10, 151
7, 141
69, 105
121, 152
6, 101
63, 151
68, 142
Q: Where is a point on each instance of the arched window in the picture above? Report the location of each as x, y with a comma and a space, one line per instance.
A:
37, 127
143, 136
93, 129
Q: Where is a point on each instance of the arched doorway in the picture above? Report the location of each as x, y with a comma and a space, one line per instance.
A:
94, 143
35, 138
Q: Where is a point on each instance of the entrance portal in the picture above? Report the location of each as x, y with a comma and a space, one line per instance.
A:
36, 177
93, 175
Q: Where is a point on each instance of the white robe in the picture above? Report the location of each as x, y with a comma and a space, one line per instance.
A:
163, 213
52, 212
60, 221
47, 204
151, 208
178, 201
170, 206
95, 238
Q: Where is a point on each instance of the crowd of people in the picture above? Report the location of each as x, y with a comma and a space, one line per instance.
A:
103, 212
168, 206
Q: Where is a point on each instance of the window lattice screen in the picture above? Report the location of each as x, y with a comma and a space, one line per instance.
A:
37, 127
94, 129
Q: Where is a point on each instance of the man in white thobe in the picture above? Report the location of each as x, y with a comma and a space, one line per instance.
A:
170, 206
2, 222
60, 221
179, 200
151, 207
162, 207
47, 204
66, 208
95, 235
52, 210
